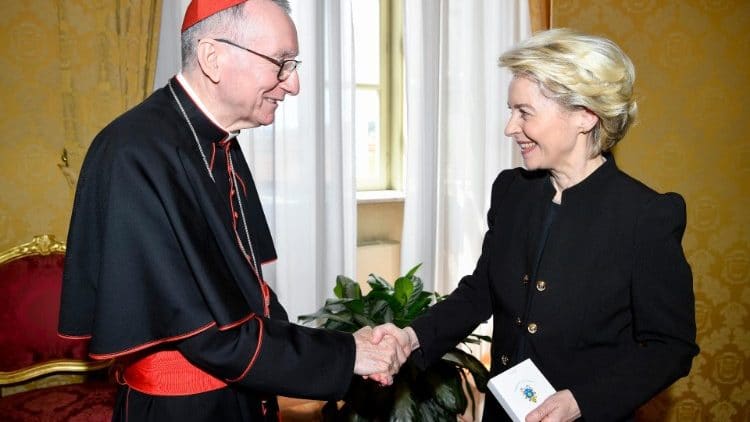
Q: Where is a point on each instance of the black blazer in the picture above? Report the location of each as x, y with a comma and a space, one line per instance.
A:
605, 308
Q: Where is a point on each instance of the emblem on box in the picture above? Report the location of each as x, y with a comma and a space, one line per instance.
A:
528, 393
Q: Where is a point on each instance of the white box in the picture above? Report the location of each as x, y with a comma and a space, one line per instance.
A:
520, 389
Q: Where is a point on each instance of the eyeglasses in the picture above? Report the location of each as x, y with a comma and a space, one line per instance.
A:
286, 67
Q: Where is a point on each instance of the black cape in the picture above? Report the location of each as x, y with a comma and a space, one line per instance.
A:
153, 262
151, 252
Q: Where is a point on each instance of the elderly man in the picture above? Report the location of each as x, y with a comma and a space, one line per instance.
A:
167, 239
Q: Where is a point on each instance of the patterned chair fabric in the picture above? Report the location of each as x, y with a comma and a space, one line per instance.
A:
32, 355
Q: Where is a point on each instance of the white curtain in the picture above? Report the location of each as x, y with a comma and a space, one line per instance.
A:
456, 100
168, 57
303, 163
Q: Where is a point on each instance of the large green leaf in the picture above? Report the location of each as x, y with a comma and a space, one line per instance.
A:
363, 321
355, 306
331, 306
313, 317
431, 411
347, 288
378, 283
477, 339
420, 304
344, 318
336, 305
368, 400
336, 309
414, 294
477, 368
339, 326
445, 383
404, 405
386, 296
413, 270
403, 289
469, 393
376, 307
381, 312
388, 315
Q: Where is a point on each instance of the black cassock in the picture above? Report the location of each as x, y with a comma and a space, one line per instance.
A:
153, 264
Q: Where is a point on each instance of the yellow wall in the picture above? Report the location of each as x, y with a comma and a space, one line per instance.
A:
68, 68
692, 60
379, 227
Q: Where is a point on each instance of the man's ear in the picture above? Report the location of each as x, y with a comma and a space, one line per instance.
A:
208, 59
588, 120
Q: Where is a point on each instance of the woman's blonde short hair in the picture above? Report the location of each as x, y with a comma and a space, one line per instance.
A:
578, 70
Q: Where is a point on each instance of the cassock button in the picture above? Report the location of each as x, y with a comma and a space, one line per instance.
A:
504, 359
532, 328
541, 285
518, 321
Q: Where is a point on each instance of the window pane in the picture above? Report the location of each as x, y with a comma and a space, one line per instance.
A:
367, 127
366, 15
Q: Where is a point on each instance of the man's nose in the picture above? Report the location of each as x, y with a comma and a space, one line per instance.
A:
291, 84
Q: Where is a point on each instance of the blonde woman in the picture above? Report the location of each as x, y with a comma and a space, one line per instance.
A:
582, 267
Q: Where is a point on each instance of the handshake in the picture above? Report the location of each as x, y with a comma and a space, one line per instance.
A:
382, 350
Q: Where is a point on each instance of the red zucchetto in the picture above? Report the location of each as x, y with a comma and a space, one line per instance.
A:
201, 9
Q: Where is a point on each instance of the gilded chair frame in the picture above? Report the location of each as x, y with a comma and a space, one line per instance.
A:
44, 245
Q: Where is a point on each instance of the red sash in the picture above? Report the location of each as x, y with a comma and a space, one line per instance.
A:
168, 373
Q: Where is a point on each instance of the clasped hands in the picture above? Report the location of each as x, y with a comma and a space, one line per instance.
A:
382, 350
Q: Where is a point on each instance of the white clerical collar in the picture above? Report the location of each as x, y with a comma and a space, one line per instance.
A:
185, 84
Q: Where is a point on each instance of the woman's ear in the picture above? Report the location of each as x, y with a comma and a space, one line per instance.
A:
208, 59
588, 119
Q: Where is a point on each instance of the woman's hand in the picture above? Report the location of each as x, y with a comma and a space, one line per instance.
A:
559, 407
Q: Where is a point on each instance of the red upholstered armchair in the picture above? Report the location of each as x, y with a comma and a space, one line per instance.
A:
44, 377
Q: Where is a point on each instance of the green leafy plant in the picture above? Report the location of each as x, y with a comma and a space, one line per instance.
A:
438, 393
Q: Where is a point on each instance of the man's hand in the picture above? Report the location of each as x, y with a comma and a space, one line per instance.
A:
406, 337
383, 357
406, 342
559, 407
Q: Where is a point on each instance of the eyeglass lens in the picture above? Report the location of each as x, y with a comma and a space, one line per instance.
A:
287, 67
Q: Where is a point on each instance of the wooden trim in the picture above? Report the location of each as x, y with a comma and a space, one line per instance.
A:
50, 367
39, 245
